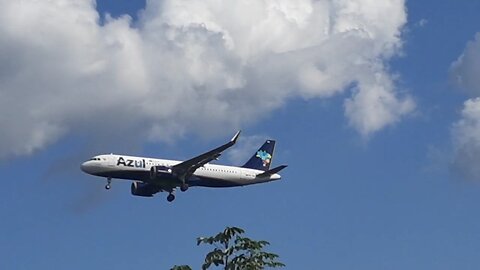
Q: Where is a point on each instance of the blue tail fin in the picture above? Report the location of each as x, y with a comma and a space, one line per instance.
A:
262, 159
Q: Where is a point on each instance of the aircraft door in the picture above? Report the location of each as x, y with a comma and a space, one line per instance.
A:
110, 160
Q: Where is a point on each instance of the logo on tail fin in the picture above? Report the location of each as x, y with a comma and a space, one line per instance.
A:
264, 156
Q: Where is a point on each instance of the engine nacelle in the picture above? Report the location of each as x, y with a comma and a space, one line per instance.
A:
143, 189
157, 172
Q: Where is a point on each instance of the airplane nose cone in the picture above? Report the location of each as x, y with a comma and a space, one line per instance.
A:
84, 167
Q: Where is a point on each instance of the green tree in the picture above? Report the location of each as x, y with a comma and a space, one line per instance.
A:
181, 267
235, 252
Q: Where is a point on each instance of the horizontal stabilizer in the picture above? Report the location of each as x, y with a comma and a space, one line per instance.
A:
272, 171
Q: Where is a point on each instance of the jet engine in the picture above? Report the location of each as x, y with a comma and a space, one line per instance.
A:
143, 189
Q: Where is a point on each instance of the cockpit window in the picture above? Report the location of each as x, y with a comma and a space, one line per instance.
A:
95, 158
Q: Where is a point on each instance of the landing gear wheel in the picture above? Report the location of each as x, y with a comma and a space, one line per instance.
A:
184, 187
170, 197
109, 182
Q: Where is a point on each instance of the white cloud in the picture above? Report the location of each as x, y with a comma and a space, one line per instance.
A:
422, 23
204, 66
375, 105
464, 71
466, 135
466, 131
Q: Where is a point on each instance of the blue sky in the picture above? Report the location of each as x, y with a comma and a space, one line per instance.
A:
388, 198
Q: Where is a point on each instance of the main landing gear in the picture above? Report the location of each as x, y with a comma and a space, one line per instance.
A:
184, 187
109, 183
171, 196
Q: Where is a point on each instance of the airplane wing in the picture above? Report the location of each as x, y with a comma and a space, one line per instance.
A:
186, 168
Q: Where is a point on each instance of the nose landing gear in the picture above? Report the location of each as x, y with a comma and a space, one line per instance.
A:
109, 183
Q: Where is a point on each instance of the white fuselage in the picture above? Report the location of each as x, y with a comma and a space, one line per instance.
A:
138, 168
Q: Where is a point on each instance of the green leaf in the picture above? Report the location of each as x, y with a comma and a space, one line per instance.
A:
242, 253
181, 267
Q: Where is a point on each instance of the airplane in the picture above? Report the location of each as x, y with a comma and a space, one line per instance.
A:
151, 175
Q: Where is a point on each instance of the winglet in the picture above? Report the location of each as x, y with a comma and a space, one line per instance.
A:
235, 137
